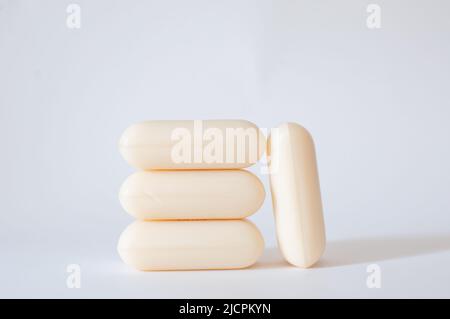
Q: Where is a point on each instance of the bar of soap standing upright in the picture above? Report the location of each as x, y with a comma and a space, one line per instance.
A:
295, 189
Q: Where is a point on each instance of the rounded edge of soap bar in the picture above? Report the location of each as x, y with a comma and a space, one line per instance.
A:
190, 245
143, 149
146, 195
296, 197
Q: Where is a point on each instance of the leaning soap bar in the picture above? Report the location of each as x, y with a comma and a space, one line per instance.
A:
190, 194
296, 195
196, 144
190, 245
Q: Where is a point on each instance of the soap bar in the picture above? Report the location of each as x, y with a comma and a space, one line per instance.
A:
190, 245
192, 144
190, 194
296, 196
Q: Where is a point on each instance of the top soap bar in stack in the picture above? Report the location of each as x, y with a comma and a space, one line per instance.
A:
192, 144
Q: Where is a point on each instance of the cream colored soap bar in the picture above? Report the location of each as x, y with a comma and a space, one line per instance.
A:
204, 194
190, 245
208, 144
296, 195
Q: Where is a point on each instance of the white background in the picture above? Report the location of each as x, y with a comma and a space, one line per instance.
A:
376, 101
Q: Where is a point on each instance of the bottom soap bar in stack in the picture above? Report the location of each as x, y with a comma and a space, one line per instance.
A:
191, 245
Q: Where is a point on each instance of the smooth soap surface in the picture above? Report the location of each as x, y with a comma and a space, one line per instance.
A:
296, 195
189, 144
190, 245
201, 194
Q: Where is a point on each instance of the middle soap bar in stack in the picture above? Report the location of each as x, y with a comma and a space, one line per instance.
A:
208, 194
192, 170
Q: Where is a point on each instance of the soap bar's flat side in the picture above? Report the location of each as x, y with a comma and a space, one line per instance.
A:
192, 144
192, 194
190, 245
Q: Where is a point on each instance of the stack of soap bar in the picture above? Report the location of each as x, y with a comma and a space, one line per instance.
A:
191, 196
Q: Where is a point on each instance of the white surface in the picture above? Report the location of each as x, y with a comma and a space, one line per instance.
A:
410, 266
376, 102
